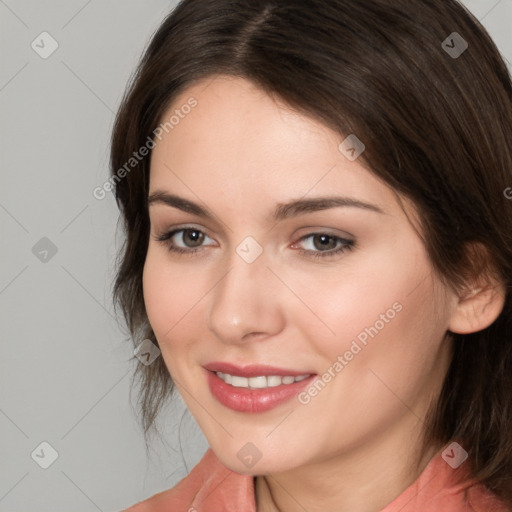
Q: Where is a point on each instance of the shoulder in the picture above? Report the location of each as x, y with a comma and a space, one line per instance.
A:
442, 487
209, 484
177, 497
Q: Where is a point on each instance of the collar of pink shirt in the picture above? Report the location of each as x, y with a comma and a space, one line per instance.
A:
211, 487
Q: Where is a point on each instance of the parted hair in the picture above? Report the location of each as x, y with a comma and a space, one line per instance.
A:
435, 117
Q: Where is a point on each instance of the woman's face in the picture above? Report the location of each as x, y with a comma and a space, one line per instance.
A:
305, 263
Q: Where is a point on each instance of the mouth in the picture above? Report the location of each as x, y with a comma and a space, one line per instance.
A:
260, 381
254, 389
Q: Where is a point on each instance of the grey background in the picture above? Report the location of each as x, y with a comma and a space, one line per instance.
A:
65, 367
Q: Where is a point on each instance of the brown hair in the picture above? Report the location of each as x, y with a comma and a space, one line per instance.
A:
437, 128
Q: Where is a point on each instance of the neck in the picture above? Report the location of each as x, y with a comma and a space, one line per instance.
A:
364, 479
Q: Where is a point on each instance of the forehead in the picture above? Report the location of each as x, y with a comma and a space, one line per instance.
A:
242, 144
234, 112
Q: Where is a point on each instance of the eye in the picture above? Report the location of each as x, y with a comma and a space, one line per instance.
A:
325, 245
321, 245
191, 239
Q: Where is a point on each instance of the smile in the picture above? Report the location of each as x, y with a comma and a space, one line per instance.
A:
260, 381
255, 393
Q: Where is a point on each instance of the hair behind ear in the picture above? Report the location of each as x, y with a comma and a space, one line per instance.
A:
475, 405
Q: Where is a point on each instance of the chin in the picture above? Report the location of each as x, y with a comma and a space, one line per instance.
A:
273, 464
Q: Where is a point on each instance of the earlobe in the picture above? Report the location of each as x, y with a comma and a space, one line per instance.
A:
477, 309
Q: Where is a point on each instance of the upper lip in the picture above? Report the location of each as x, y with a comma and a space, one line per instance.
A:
252, 370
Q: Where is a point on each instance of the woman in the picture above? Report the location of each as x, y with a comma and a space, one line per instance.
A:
318, 253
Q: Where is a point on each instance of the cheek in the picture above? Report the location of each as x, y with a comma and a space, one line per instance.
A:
395, 355
392, 353
366, 291
382, 313
171, 296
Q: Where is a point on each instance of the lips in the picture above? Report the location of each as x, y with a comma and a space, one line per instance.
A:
244, 398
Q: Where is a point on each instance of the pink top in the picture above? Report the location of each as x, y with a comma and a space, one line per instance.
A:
211, 487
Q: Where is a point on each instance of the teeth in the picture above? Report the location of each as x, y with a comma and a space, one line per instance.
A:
239, 382
273, 380
259, 382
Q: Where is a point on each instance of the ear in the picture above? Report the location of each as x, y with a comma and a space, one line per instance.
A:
482, 300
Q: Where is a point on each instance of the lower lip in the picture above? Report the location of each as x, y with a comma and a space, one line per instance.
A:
253, 400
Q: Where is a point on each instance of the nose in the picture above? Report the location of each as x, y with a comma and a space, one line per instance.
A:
245, 303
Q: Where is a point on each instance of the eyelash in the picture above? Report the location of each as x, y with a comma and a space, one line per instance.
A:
347, 245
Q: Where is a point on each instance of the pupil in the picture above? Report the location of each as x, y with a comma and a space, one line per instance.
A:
324, 241
195, 236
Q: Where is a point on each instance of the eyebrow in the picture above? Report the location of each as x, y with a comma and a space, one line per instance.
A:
282, 211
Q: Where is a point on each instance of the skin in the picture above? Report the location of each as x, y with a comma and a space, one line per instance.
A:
355, 445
